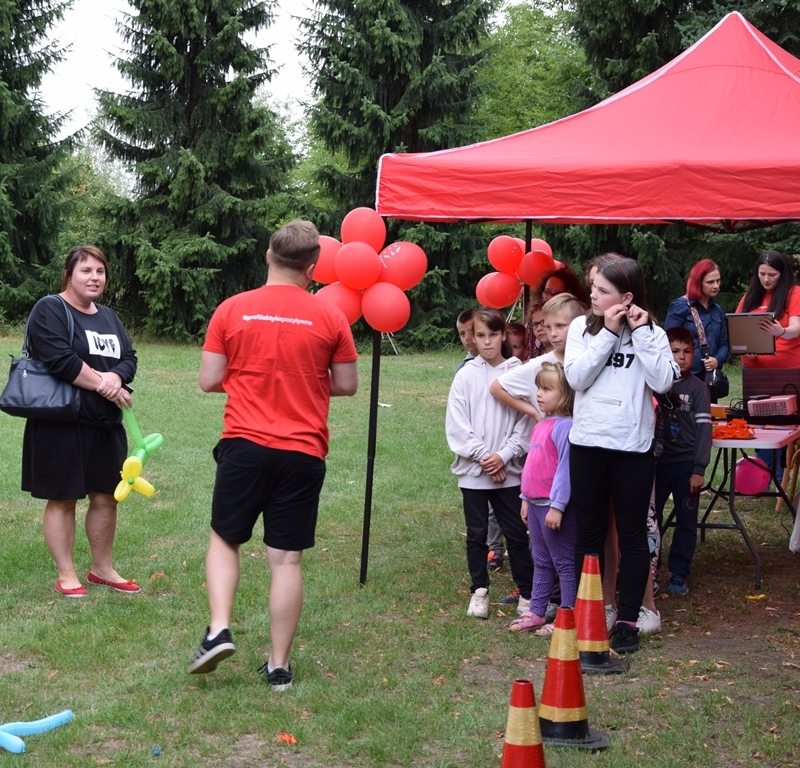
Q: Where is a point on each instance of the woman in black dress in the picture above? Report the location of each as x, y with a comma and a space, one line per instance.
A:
63, 462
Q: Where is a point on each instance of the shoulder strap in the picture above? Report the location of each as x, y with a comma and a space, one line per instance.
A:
70, 326
701, 332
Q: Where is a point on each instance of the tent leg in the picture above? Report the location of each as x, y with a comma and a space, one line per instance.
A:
372, 431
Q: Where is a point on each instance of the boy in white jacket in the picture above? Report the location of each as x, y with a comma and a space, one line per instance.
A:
489, 441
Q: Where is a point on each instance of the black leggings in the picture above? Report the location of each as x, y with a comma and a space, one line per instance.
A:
600, 476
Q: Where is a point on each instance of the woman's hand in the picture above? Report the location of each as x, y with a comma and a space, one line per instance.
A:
772, 327
110, 385
710, 363
523, 512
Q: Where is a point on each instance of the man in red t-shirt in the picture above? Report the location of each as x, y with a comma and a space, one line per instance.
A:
279, 354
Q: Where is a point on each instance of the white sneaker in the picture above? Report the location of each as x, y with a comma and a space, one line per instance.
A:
523, 606
479, 604
648, 623
611, 617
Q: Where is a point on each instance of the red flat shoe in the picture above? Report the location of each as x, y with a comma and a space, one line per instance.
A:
120, 586
75, 592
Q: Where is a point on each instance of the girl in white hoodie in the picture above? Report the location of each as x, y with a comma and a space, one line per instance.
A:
615, 358
489, 441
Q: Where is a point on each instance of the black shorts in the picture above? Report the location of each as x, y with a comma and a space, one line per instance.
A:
283, 485
65, 461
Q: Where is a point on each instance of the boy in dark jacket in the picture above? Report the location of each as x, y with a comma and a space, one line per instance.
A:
681, 465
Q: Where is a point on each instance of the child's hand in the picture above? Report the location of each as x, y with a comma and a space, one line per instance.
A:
523, 512
499, 477
637, 316
553, 519
492, 464
696, 483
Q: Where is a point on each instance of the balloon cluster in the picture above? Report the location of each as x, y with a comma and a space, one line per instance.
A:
507, 255
362, 278
132, 466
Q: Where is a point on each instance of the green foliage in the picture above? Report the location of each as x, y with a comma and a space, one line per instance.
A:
391, 76
779, 20
33, 177
624, 40
536, 72
210, 164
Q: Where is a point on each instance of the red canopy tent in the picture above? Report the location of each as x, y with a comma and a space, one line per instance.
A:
712, 138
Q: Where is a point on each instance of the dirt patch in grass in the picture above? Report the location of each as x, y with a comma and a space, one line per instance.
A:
10, 664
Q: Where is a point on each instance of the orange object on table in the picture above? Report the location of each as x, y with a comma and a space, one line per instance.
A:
735, 429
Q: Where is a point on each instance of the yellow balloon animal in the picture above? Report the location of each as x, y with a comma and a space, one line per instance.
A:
131, 480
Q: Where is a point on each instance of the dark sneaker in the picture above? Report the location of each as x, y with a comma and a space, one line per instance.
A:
677, 585
624, 638
212, 652
494, 561
279, 679
511, 599
550, 613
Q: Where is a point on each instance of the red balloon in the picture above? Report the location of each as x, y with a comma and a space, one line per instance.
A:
541, 246
501, 290
324, 269
348, 300
504, 253
534, 266
357, 265
363, 225
386, 308
480, 290
403, 264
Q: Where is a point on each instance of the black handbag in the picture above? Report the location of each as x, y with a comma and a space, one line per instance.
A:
33, 392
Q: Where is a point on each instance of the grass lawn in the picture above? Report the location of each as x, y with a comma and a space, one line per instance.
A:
391, 674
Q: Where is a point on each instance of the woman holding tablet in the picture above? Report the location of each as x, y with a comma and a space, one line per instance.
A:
773, 290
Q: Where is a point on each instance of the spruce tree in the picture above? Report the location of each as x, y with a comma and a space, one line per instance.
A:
209, 162
391, 76
32, 179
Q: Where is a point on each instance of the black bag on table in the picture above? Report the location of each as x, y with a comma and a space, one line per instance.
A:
33, 392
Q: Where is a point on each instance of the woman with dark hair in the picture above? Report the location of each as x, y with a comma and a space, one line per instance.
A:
702, 286
773, 289
615, 358
561, 280
66, 461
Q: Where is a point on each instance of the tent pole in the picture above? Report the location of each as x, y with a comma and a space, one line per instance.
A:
526, 289
371, 433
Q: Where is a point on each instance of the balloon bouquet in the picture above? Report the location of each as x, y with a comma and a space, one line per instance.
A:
363, 279
507, 255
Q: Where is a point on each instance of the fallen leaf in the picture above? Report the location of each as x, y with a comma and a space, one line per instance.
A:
286, 738
158, 575
755, 597
439, 680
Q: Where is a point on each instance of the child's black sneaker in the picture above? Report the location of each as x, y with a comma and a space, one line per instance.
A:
624, 638
212, 652
279, 679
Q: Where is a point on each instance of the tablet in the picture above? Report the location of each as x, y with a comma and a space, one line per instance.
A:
745, 336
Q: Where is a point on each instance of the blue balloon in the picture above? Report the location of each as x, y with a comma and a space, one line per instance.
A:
10, 732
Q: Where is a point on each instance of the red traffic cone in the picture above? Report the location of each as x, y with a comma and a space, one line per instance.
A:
562, 708
590, 623
523, 745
